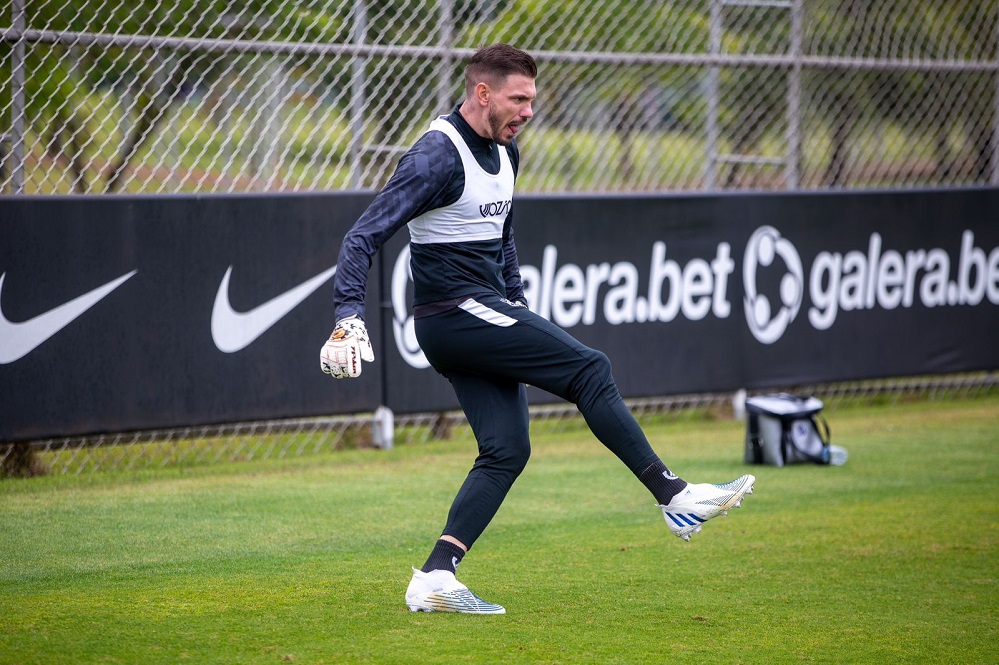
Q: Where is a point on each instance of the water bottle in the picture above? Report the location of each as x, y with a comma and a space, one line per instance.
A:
837, 455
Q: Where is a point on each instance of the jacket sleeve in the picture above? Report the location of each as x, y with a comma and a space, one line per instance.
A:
511, 265
420, 183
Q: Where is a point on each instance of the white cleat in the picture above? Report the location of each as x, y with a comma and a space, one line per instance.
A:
439, 591
696, 504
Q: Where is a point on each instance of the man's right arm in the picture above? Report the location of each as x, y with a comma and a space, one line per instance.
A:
422, 181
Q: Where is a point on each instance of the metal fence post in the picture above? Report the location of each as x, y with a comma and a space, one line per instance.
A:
446, 42
275, 121
17, 105
994, 179
357, 97
264, 158
711, 163
793, 168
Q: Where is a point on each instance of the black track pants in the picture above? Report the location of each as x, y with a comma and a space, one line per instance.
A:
489, 349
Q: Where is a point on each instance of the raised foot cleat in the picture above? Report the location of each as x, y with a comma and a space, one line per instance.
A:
439, 591
698, 503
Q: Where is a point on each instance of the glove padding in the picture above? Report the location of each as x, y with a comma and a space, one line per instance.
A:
342, 354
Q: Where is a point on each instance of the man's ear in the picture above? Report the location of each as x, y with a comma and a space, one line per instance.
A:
483, 93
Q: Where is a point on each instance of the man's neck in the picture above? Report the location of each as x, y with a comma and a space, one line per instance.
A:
476, 120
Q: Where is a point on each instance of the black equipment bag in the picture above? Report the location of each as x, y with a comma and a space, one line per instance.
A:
788, 429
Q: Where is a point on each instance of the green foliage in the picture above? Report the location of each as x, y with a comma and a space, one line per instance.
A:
891, 558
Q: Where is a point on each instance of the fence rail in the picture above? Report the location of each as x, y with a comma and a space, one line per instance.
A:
209, 45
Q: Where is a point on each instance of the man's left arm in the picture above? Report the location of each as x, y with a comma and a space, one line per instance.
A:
511, 265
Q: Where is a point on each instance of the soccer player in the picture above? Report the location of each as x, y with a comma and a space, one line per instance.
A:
454, 189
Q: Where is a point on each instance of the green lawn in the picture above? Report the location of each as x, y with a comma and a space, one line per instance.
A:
892, 558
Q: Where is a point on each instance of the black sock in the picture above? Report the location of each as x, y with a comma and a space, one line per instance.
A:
661, 482
445, 556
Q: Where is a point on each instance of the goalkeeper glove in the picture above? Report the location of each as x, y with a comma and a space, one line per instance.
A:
342, 354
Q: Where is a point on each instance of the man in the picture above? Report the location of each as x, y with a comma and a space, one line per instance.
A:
473, 324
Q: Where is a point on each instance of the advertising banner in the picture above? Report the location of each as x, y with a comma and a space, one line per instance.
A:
716, 293
128, 313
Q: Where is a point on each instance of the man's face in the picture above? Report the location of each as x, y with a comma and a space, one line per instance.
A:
510, 107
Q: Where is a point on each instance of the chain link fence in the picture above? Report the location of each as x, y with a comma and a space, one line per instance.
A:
289, 439
108, 96
635, 95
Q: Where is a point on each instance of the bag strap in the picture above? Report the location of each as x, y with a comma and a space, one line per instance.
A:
823, 431
756, 447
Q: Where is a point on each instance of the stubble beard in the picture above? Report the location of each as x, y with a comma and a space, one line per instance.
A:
496, 127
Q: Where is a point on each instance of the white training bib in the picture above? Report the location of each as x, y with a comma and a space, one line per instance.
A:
484, 204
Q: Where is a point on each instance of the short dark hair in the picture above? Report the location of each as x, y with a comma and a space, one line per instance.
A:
494, 63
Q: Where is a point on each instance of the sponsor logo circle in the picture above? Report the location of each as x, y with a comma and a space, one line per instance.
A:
403, 323
763, 248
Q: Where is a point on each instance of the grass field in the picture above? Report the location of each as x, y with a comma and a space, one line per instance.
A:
892, 558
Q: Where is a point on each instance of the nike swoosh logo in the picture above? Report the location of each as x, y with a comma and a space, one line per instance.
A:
19, 339
234, 331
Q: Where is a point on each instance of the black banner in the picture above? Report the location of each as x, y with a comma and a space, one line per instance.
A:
125, 313
145, 312
716, 293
